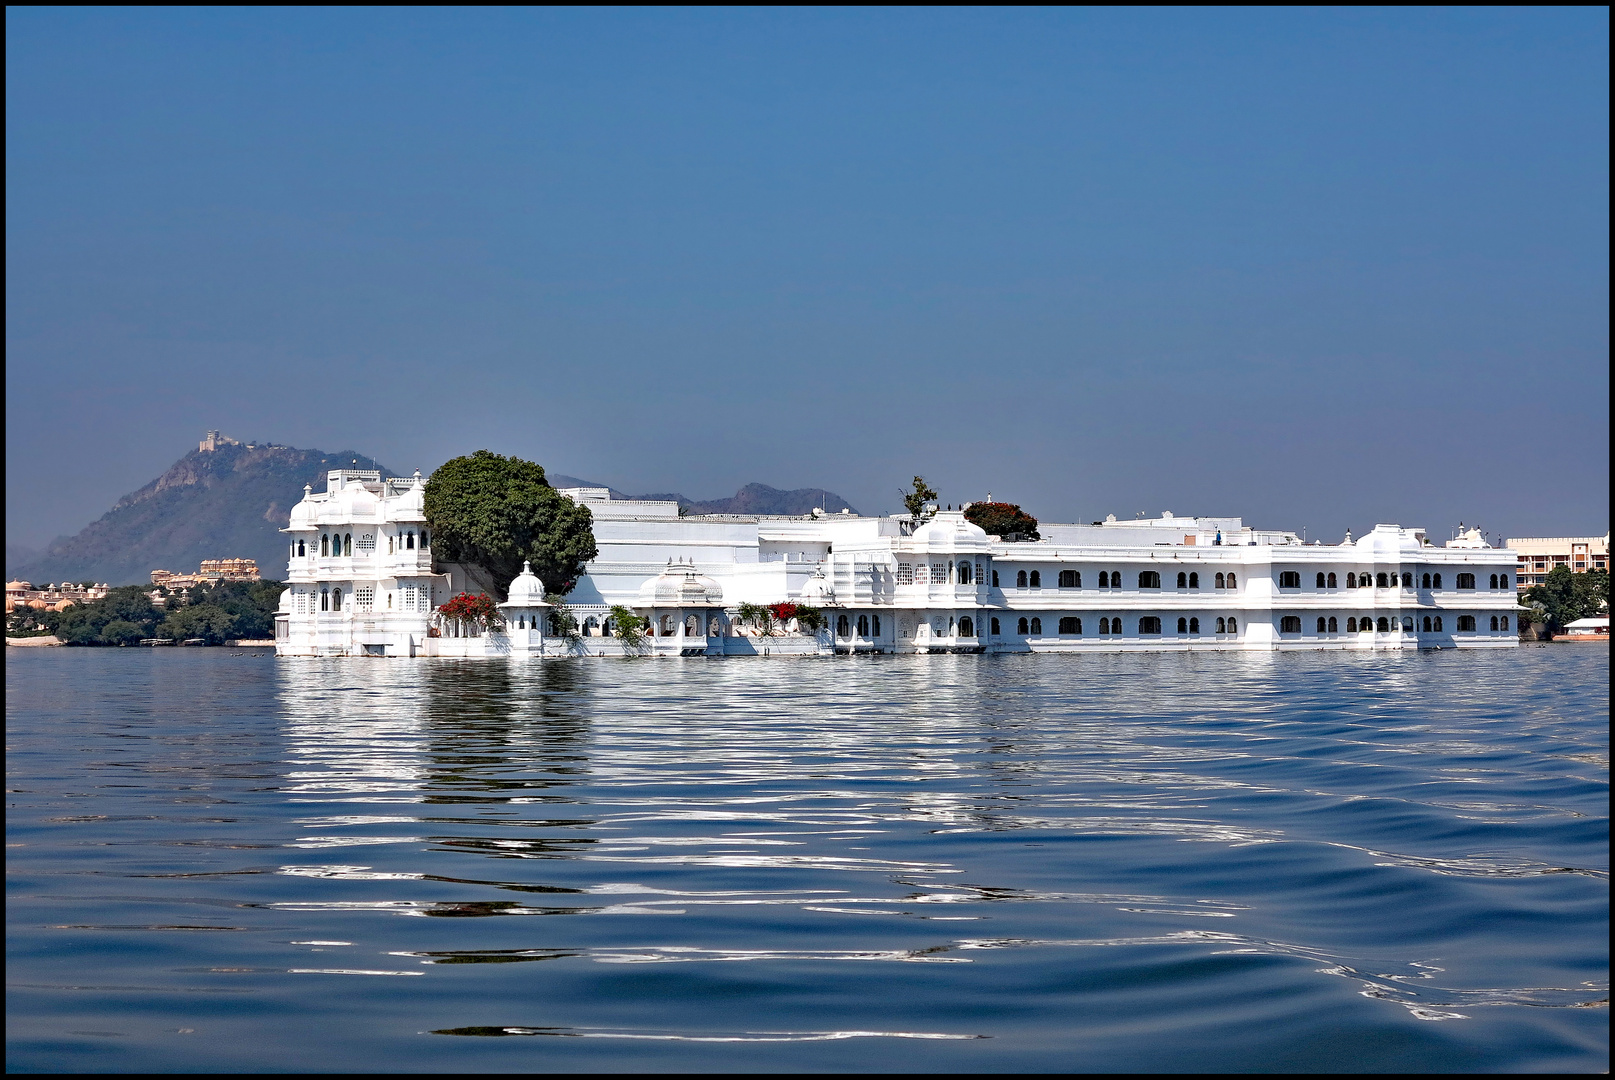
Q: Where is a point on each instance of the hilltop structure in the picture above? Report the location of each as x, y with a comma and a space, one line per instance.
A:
211, 572
362, 580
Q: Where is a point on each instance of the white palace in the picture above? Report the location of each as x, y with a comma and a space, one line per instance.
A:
363, 581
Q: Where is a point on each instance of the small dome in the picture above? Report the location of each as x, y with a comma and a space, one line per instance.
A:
525, 589
680, 586
303, 514
950, 529
818, 592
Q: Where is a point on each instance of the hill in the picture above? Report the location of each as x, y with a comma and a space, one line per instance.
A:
229, 502
232, 502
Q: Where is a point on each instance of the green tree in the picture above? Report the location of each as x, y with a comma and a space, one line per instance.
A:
83, 624
1003, 519
1591, 593
1564, 598
211, 623
914, 501
497, 512
629, 628
562, 622
122, 632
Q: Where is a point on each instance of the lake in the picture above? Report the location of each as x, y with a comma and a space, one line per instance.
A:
1125, 862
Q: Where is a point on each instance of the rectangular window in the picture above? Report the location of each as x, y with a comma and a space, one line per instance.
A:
905, 573
922, 575
365, 597
939, 573
1149, 624
367, 542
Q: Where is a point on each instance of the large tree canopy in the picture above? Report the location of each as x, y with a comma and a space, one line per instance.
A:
498, 511
1568, 596
1002, 519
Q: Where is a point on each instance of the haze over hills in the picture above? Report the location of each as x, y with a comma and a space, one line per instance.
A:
233, 500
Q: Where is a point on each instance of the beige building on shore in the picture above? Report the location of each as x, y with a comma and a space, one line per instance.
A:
211, 572
1537, 555
53, 597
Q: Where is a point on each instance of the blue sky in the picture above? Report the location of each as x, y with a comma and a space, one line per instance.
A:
1319, 268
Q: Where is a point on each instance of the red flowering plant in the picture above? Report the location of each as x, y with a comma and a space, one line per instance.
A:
474, 609
784, 611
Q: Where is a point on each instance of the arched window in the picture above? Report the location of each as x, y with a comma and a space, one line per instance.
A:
1194, 580
325, 544
325, 599
1494, 622
1407, 624
336, 599
1020, 579
1323, 625
1351, 581
1425, 581
1037, 580
1493, 585
409, 540
347, 544
1427, 624
1290, 624
1020, 627
863, 626
1183, 580
426, 539
1194, 626
1438, 624
1149, 579
1220, 581
389, 544
967, 628
1466, 624
876, 620
1233, 582
1070, 625
995, 628
1289, 579
1381, 582
1037, 624
1384, 626
1222, 625
995, 579
1351, 626
1104, 579
842, 629
1437, 584
1149, 624
1183, 626
300, 550
692, 626
1502, 583
1320, 581
1407, 580
1502, 621
964, 573
1104, 626
1070, 579
1233, 625
1332, 584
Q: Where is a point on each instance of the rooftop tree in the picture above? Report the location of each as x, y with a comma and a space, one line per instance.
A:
498, 512
1002, 519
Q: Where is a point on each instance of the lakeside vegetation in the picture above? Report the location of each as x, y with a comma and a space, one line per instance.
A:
215, 614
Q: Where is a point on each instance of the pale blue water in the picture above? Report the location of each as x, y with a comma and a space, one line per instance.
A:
1125, 862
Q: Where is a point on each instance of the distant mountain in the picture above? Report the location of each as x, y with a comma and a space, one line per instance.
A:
229, 502
232, 502
751, 499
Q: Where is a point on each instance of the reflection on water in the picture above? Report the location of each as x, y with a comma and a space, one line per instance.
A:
1274, 862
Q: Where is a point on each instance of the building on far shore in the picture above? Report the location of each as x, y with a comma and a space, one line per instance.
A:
211, 572
21, 594
1537, 555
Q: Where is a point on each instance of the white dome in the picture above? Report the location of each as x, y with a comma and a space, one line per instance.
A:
818, 592
680, 586
353, 502
304, 512
526, 590
950, 529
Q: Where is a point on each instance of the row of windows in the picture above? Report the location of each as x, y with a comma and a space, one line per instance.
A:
1291, 624
1112, 579
411, 598
1147, 624
343, 544
1291, 579
964, 573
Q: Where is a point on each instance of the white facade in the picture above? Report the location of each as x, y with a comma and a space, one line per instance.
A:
362, 581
